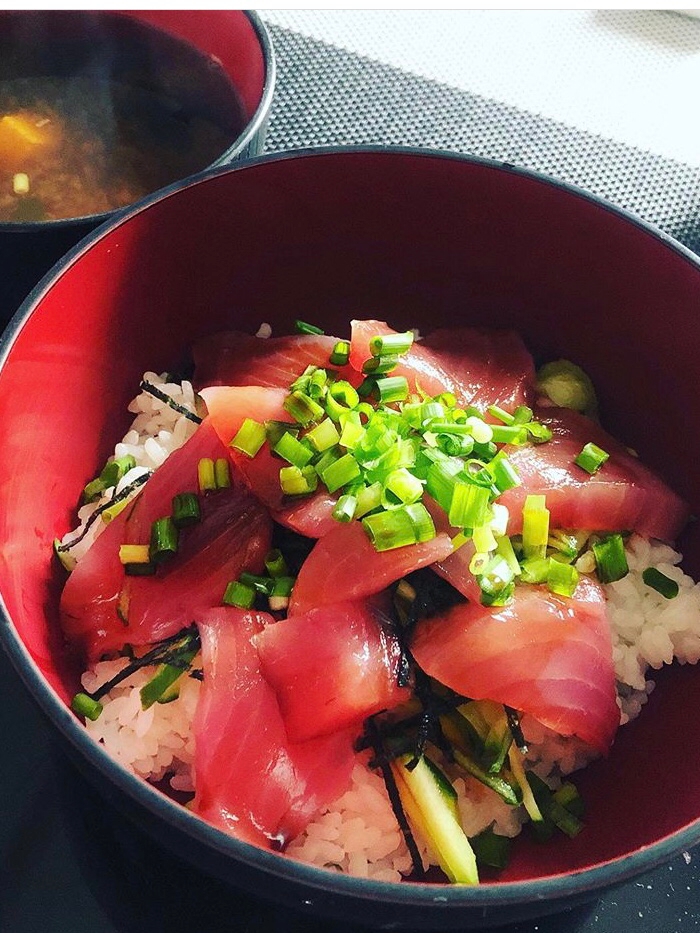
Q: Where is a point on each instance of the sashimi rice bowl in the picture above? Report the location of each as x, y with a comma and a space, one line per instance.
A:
384, 597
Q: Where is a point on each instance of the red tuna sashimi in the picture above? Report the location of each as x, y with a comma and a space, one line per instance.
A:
236, 359
344, 565
481, 367
228, 407
251, 780
455, 567
543, 654
331, 668
623, 495
104, 609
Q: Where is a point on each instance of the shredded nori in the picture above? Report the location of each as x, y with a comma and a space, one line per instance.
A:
171, 403
168, 651
118, 497
515, 728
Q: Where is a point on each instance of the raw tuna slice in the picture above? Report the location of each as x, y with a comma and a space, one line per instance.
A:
331, 668
622, 496
455, 567
344, 565
543, 654
251, 780
236, 359
228, 407
481, 367
104, 609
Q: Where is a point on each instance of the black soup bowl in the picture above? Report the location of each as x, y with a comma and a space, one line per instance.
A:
100, 108
417, 238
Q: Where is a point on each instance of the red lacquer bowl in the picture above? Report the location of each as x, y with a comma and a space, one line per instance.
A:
420, 239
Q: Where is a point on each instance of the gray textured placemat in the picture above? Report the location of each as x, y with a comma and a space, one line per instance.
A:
328, 96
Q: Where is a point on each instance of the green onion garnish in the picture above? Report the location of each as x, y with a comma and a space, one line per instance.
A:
340, 353
401, 487
562, 578
275, 429
281, 591
239, 595
298, 482
591, 458
535, 570
409, 524
260, 584
275, 564
378, 365
303, 408
186, 510
322, 437
134, 553
535, 527
206, 475
340, 473
222, 473
469, 505
660, 582
610, 558
345, 508
164, 538
84, 705
166, 675
293, 451
303, 328
392, 389
250, 437
396, 344
140, 570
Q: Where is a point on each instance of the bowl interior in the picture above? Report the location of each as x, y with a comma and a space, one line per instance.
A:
418, 240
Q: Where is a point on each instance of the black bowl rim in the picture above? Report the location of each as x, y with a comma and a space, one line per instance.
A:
254, 127
551, 888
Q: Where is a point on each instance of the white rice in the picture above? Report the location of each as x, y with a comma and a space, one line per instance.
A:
358, 834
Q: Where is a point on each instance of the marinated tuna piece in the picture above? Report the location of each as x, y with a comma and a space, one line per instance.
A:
344, 565
481, 367
545, 655
332, 667
623, 495
103, 609
236, 359
251, 780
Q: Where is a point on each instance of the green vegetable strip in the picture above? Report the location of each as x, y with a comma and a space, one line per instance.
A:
610, 558
535, 527
591, 458
397, 344
303, 328
164, 678
275, 564
660, 582
186, 510
293, 451
250, 437
340, 353
239, 595
164, 539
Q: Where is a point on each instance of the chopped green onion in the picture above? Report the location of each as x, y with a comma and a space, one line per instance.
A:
327, 458
186, 510
298, 482
345, 508
660, 582
535, 526
397, 344
323, 436
275, 429
401, 488
222, 473
134, 553
293, 450
206, 475
303, 328
140, 570
260, 584
239, 594
303, 408
250, 437
352, 432
392, 389
502, 472
504, 549
275, 564
535, 569
318, 384
281, 591
368, 499
501, 414
341, 472
166, 675
84, 705
164, 539
483, 539
469, 505
378, 365
481, 431
591, 458
562, 578
514, 434
409, 524
340, 353
496, 582
610, 558
367, 387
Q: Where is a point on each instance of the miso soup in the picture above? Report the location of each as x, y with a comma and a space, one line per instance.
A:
98, 110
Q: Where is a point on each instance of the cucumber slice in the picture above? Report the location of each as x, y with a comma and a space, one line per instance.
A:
431, 808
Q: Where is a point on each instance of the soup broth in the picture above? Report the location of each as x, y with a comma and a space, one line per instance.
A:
98, 110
